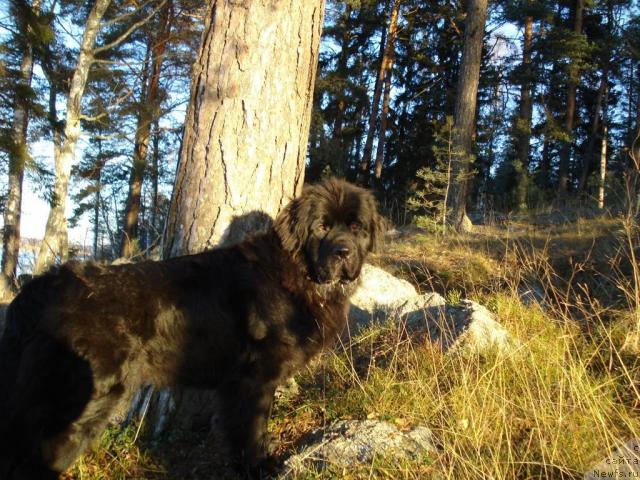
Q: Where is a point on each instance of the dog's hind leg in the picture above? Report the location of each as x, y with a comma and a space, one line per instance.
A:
61, 450
52, 389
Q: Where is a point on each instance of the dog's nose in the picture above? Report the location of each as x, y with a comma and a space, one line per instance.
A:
342, 251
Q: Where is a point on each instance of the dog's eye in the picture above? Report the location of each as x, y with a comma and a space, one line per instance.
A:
355, 226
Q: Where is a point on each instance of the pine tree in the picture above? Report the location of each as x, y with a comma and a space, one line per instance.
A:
465, 110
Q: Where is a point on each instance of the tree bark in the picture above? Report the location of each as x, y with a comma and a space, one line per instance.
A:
149, 111
245, 139
54, 243
365, 163
390, 57
523, 127
155, 171
603, 150
17, 158
465, 112
565, 151
603, 167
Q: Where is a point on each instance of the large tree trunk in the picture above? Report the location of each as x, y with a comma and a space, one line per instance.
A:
390, 57
523, 127
246, 128
565, 151
365, 163
54, 243
17, 157
244, 146
149, 111
465, 111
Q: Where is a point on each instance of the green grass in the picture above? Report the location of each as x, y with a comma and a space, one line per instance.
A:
116, 457
551, 407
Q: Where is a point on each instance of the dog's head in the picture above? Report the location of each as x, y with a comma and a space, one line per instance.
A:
332, 227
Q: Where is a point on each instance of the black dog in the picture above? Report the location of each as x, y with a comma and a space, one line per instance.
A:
82, 338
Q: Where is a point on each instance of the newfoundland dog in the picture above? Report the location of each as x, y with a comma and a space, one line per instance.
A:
82, 338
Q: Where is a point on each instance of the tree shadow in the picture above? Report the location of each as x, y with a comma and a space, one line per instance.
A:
243, 226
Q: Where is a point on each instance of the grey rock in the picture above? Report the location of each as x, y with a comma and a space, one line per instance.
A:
382, 296
348, 443
379, 294
474, 328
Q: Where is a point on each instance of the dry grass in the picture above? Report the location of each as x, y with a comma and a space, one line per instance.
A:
550, 408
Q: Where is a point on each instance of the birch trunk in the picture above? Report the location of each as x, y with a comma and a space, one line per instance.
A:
603, 168
603, 150
17, 158
54, 244
465, 112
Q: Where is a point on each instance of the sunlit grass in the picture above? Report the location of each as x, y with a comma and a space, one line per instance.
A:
545, 409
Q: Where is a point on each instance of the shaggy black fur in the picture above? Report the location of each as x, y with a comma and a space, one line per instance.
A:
82, 338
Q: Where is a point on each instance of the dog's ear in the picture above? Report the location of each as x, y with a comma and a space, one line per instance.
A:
291, 225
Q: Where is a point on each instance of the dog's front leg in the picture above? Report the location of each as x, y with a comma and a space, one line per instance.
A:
246, 410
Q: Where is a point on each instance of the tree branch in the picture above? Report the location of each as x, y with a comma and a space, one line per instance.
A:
124, 16
132, 29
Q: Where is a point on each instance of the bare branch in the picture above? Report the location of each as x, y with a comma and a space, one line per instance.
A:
95, 118
124, 16
132, 29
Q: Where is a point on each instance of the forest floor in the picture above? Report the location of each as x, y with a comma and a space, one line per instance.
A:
552, 408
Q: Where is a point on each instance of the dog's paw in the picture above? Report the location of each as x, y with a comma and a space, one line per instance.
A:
268, 468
